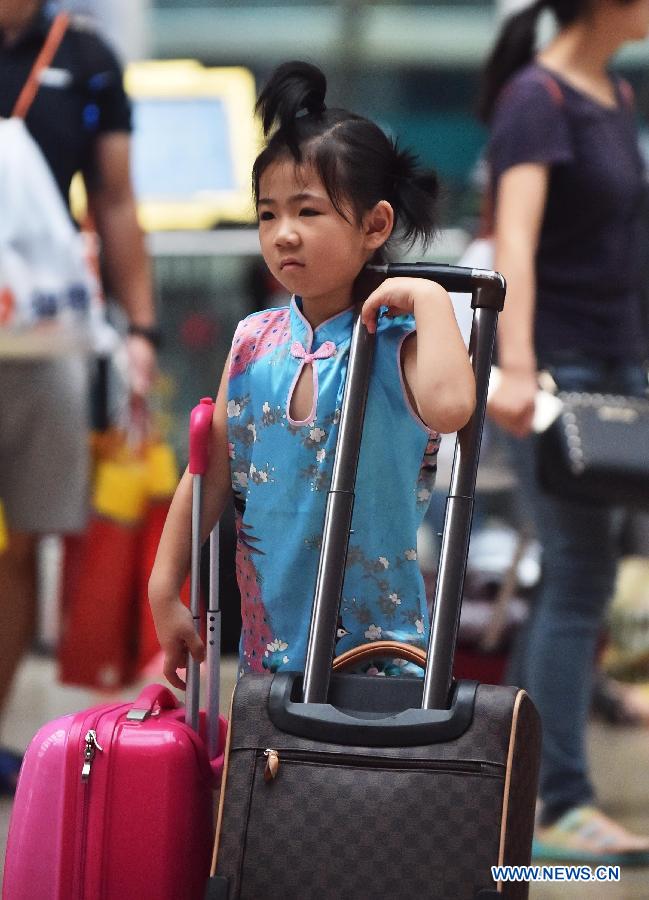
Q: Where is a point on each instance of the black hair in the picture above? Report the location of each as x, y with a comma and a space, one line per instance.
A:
358, 164
515, 46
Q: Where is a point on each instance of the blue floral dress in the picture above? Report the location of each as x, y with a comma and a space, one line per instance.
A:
281, 471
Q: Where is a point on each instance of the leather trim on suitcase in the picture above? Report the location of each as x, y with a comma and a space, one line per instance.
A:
224, 778
521, 777
508, 778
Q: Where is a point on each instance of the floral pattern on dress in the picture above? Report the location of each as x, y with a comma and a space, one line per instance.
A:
275, 656
271, 415
428, 471
260, 475
317, 477
256, 633
257, 337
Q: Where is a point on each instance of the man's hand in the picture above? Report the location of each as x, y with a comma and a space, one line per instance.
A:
142, 365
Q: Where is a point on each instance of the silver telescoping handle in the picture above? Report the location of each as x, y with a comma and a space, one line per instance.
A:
213, 648
338, 518
192, 690
449, 587
487, 289
199, 432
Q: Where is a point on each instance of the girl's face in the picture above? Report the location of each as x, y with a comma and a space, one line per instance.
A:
308, 246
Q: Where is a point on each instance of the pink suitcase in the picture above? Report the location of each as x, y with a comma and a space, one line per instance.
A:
116, 802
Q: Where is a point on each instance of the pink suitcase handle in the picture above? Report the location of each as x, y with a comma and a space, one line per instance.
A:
151, 696
200, 424
200, 427
157, 695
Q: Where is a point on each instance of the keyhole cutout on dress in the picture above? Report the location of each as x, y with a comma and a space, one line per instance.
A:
301, 404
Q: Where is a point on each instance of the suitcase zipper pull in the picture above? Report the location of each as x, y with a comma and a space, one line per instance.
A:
91, 746
272, 764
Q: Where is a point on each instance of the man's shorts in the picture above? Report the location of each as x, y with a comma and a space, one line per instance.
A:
44, 460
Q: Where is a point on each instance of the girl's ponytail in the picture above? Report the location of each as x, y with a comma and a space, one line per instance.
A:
293, 87
414, 197
514, 48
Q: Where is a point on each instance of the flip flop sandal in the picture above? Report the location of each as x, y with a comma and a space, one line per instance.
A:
10, 764
586, 835
619, 704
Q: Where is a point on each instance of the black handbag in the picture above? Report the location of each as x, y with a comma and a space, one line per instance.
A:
597, 450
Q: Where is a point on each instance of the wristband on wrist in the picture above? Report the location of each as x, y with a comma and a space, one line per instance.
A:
150, 333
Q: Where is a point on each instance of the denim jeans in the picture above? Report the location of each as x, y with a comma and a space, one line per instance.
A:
554, 656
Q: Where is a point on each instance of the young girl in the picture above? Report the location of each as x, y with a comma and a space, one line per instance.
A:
330, 190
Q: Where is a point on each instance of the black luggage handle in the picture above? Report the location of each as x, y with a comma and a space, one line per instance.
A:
488, 294
486, 287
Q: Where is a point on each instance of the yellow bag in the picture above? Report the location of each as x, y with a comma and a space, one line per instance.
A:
4, 535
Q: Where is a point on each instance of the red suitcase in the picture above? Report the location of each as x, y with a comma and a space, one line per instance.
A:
116, 802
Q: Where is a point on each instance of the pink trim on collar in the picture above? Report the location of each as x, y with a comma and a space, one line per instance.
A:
323, 352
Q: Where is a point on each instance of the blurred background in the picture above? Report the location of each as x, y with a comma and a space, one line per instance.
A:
192, 70
411, 66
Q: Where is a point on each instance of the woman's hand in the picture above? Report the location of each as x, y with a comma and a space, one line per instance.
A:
512, 403
178, 638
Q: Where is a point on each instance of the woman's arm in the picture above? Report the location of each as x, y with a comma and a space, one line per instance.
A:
435, 362
174, 623
520, 204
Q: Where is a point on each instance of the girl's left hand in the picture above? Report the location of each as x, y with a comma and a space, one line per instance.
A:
398, 294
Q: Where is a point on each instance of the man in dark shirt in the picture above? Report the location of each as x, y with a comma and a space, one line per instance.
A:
80, 119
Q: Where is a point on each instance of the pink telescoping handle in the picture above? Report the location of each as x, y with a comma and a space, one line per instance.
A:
200, 425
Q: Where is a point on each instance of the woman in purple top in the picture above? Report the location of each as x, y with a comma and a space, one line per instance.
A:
567, 183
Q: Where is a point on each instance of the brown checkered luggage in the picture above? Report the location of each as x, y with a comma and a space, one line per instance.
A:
347, 786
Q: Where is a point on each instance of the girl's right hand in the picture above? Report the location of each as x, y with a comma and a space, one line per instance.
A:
512, 403
178, 638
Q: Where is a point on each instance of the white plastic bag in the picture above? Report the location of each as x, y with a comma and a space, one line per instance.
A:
49, 297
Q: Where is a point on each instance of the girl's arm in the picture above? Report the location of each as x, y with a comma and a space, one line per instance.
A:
173, 621
520, 204
435, 362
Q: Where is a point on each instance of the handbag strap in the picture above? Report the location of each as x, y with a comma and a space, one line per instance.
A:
43, 60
